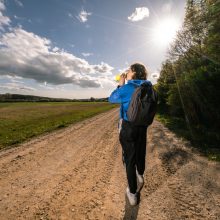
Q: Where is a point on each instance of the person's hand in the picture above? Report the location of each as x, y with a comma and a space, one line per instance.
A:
122, 79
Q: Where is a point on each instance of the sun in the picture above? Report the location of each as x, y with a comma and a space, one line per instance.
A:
165, 31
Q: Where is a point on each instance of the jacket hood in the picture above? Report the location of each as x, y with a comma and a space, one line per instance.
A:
138, 82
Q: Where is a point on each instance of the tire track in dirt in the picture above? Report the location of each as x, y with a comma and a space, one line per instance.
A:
87, 181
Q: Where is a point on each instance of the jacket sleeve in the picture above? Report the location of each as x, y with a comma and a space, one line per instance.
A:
115, 96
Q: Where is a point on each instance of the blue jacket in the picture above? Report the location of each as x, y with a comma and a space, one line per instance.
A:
123, 95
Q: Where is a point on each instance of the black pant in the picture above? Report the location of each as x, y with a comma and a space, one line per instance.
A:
133, 141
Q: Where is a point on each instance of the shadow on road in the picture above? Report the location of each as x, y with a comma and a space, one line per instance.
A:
131, 212
174, 159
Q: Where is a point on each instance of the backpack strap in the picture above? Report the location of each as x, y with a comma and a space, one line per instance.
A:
122, 111
148, 87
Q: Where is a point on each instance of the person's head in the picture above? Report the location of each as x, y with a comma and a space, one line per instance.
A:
137, 71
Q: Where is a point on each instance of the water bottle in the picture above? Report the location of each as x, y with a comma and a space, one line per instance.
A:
118, 76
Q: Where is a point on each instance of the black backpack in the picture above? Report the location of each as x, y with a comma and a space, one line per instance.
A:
143, 105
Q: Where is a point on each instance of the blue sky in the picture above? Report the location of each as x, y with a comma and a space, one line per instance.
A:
74, 48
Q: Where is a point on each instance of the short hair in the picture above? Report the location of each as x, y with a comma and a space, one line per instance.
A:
140, 71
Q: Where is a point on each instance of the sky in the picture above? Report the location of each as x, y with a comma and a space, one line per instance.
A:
74, 48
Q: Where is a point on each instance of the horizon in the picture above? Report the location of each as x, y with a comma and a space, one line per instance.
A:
76, 49
51, 97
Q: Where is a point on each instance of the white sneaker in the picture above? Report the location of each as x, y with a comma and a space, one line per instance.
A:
140, 177
131, 197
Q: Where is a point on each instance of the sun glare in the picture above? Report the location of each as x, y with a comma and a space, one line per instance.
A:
165, 31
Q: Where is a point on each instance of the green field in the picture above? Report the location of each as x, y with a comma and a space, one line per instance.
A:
23, 120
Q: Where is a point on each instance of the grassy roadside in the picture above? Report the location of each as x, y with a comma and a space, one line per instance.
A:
203, 143
22, 120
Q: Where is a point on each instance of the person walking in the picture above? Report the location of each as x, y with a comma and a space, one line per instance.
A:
132, 137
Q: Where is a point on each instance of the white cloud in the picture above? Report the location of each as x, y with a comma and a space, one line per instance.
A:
18, 86
45, 86
4, 20
27, 55
87, 54
10, 77
83, 16
153, 77
139, 14
107, 83
55, 49
2, 6
19, 3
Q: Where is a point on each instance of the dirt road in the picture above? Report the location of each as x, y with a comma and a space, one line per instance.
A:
77, 173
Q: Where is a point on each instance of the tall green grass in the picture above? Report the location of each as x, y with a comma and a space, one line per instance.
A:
23, 120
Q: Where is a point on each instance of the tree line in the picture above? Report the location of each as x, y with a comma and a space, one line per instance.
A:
7, 97
189, 82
